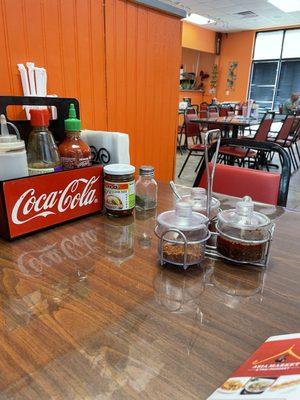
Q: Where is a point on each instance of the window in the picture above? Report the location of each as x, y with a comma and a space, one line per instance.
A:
275, 67
263, 83
289, 81
268, 45
291, 46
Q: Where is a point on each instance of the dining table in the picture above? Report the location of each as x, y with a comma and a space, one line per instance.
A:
235, 123
87, 312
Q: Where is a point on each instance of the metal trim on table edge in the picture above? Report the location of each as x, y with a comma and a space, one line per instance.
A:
159, 5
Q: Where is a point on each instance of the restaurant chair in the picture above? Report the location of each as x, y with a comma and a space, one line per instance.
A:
223, 112
262, 129
262, 186
193, 130
191, 110
295, 136
203, 106
288, 138
241, 155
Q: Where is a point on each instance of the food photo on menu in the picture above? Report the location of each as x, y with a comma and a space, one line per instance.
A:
272, 372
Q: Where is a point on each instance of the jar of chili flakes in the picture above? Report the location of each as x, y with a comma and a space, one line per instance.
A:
119, 189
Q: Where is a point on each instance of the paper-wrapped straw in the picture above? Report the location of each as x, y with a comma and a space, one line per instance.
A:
30, 66
25, 85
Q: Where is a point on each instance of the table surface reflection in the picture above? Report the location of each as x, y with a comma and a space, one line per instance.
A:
87, 313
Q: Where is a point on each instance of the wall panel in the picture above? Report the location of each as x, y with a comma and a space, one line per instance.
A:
120, 59
66, 37
235, 47
143, 58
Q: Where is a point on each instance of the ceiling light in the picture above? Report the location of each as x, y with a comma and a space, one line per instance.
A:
286, 6
198, 19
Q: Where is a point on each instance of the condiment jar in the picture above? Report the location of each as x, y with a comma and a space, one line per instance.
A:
119, 189
74, 152
146, 189
183, 235
243, 233
42, 152
199, 202
13, 158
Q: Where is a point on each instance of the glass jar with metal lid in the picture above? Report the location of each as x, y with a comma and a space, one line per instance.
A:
199, 202
119, 189
243, 234
146, 189
183, 235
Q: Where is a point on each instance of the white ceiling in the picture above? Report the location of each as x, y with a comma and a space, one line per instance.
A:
224, 12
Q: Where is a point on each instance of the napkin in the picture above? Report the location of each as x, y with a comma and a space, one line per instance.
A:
108, 147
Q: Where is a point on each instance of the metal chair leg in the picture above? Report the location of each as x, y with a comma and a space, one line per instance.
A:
292, 159
200, 162
297, 149
295, 157
185, 162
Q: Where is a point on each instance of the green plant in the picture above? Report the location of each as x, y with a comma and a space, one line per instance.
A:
214, 79
231, 75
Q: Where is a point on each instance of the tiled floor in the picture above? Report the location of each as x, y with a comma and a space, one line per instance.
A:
188, 176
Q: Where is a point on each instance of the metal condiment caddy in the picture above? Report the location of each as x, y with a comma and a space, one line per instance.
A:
240, 236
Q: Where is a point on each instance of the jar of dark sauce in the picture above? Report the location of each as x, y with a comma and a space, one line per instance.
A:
243, 234
119, 189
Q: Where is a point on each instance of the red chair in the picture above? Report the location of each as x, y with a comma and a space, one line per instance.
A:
284, 138
203, 114
203, 106
226, 112
191, 110
223, 112
235, 181
240, 154
262, 186
193, 130
213, 114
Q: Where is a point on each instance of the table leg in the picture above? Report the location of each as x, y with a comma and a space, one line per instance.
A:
235, 131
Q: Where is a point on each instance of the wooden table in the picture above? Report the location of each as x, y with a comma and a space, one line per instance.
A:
235, 123
86, 312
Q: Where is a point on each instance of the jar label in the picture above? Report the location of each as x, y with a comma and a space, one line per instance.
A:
71, 162
119, 196
39, 171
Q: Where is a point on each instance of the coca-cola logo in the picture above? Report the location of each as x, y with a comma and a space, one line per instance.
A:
74, 248
78, 193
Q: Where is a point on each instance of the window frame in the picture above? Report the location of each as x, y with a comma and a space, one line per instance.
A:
278, 60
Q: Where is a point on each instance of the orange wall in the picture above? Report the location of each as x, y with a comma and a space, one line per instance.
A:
67, 38
195, 37
235, 47
123, 84
143, 59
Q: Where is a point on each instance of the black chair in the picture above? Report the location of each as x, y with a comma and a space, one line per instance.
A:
238, 181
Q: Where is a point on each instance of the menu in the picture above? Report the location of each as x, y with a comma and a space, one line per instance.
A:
272, 372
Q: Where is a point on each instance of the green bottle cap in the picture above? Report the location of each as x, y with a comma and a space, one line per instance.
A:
72, 123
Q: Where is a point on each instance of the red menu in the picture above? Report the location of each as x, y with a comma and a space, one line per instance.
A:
272, 372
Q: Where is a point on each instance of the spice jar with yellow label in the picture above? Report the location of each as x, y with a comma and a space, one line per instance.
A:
119, 189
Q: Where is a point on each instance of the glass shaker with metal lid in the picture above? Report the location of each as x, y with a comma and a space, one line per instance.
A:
244, 235
183, 235
199, 202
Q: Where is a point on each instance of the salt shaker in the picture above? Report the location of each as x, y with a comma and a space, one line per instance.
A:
13, 159
146, 189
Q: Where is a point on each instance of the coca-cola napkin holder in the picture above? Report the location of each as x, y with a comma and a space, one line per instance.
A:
38, 202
